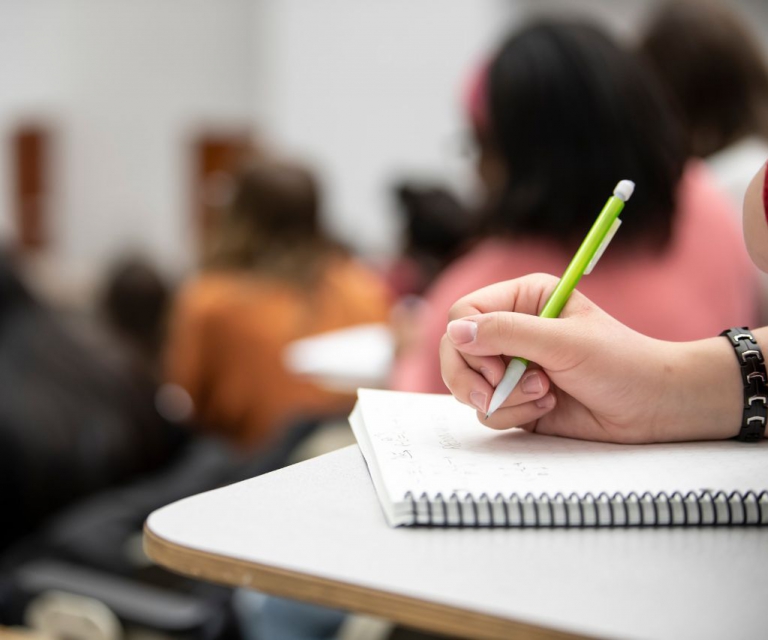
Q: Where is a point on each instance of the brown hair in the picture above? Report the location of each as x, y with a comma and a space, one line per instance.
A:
712, 70
273, 225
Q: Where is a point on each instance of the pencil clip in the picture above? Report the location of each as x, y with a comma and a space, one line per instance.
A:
603, 246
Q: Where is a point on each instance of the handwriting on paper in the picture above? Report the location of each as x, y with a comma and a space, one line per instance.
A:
446, 439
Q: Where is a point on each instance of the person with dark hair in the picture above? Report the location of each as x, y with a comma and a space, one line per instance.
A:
134, 303
715, 75
561, 114
73, 420
435, 229
271, 277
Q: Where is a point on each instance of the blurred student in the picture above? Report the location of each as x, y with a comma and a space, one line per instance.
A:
272, 277
134, 303
561, 114
73, 419
436, 228
435, 231
712, 69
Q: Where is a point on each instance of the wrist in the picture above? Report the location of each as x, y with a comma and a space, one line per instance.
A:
703, 386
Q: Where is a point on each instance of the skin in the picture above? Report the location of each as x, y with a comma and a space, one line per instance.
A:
755, 225
593, 377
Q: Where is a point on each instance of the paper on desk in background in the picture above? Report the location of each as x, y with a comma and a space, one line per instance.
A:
346, 359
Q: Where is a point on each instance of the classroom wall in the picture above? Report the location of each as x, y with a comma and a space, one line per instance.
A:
32, 77
368, 91
371, 91
168, 70
125, 86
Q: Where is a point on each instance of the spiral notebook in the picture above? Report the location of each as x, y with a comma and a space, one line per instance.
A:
433, 463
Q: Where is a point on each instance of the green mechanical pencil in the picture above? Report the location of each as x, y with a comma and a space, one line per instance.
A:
583, 262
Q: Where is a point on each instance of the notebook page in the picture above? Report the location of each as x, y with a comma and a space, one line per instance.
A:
432, 444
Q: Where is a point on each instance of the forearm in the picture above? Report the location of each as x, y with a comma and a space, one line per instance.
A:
703, 386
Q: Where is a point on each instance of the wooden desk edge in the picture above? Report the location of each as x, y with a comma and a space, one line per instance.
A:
412, 612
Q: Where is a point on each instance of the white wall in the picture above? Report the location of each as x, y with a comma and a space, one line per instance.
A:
162, 70
32, 78
370, 91
125, 85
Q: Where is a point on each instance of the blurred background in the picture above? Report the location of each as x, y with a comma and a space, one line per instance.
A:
126, 117
121, 120
135, 138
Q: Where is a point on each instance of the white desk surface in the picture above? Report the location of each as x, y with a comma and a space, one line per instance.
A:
345, 359
315, 531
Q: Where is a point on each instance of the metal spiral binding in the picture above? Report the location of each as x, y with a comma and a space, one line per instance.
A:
704, 508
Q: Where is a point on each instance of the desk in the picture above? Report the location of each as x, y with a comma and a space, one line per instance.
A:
315, 532
345, 359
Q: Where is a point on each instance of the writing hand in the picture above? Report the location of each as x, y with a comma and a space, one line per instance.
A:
591, 377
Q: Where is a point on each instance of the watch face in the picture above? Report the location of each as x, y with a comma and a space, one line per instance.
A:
756, 219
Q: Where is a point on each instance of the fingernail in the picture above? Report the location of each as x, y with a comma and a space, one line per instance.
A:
488, 375
546, 402
478, 399
462, 331
531, 383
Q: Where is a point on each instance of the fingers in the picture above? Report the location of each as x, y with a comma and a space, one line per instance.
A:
527, 295
525, 415
555, 344
465, 383
471, 387
490, 367
506, 314
501, 321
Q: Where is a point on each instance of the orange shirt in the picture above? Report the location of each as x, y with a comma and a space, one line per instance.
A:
228, 332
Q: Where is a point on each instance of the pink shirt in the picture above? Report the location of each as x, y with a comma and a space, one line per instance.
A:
702, 283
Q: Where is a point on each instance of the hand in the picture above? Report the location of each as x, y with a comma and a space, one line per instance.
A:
590, 376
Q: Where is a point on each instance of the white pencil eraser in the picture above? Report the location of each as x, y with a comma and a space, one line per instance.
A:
624, 190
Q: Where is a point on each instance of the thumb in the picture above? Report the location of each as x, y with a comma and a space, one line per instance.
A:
553, 343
